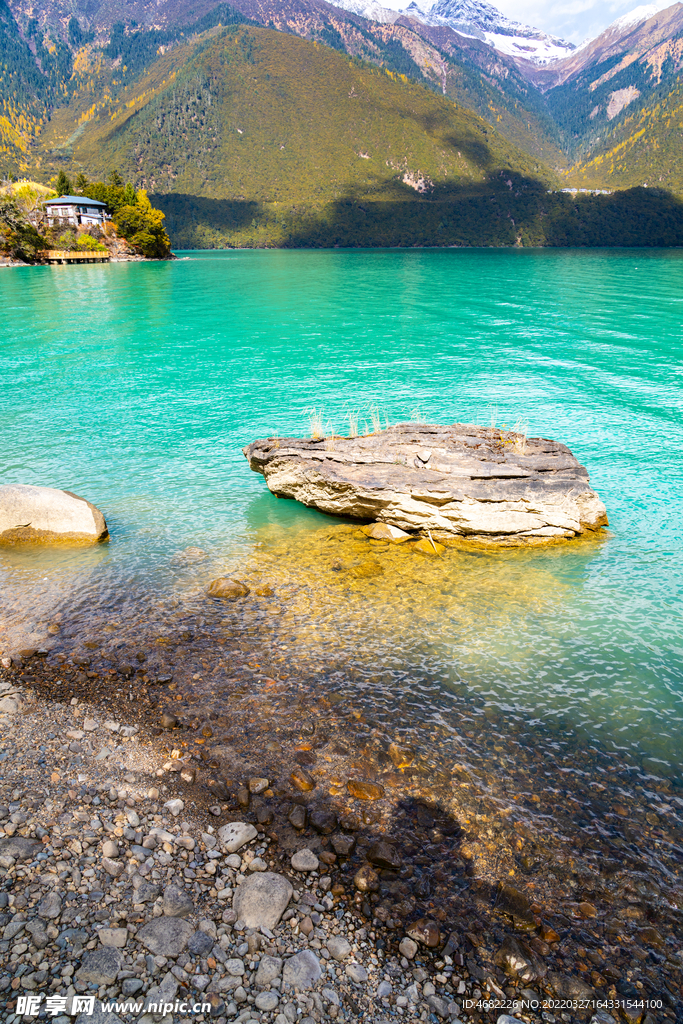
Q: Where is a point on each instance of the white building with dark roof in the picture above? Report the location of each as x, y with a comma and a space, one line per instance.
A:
71, 211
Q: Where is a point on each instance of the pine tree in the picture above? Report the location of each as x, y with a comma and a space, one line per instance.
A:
82, 184
63, 185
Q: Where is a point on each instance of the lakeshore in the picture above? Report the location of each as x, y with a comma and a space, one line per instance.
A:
530, 697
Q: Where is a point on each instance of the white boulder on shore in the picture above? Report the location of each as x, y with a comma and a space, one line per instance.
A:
455, 481
45, 515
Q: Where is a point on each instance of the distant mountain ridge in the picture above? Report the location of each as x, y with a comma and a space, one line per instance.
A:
602, 114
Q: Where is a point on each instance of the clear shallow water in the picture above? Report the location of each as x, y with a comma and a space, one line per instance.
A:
138, 385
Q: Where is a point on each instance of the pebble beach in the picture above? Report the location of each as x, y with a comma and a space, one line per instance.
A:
139, 874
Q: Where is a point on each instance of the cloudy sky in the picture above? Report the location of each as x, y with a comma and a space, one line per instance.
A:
574, 20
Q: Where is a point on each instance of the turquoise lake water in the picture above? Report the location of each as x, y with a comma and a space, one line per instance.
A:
137, 385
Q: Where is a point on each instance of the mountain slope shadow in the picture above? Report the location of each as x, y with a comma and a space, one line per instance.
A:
506, 209
220, 217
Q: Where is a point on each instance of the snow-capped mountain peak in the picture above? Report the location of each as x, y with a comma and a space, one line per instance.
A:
477, 18
640, 14
474, 18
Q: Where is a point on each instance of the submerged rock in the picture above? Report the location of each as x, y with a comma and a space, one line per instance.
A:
229, 590
45, 515
452, 481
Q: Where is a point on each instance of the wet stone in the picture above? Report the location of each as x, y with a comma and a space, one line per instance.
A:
227, 589
402, 756
362, 790
323, 820
567, 987
651, 937
385, 855
264, 815
426, 932
519, 962
342, 845
302, 780
297, 817
366, 879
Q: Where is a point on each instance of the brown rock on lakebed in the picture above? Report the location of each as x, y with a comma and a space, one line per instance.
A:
229, 590
454, 481
365, 790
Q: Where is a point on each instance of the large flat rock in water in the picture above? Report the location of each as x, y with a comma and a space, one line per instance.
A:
45, 515
458, 480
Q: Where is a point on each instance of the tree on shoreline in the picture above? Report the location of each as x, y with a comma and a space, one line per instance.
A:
19, 239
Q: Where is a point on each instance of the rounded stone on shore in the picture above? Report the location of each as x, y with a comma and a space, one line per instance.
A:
261, 899
45, 515
305, 860
407, 948
235, 835
165, 936
356, 973
339, 947
266, 1001
302, 970
177, 903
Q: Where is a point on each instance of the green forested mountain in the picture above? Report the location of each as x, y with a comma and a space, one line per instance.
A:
326, 128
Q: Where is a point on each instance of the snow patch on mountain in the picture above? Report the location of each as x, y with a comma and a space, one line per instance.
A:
541, 49
369, 9
474, 18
